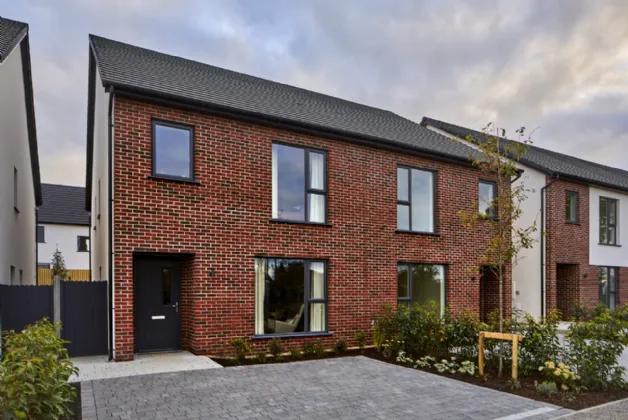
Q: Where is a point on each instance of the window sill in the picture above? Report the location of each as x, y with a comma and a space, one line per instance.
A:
615, 245
298, 222
572, 223
173, 179
411, 232
292, 335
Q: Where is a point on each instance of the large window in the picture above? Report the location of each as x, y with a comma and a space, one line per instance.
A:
486, 199
571, 207
299, 184
415, 200
82, 243
421, 284
173, 151
41, 234
290, 296
608, 221
608, 286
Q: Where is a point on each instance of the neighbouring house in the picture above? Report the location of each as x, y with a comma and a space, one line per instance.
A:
20, 189
63, 224
581, 210
227, 206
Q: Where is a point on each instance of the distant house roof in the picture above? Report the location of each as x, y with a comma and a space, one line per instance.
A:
63, 205
128, 68
12, 34
552, 163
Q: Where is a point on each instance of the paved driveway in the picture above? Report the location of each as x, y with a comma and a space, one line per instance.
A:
345, 388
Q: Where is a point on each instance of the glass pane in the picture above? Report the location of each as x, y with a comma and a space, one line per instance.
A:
317, 171
403, 278
422, 197
612, 207
317, 280
611, 235
612, 280
486, 197
612, 300
403, 217
571, 207
402, 184
165, 284
428, 285
289, 176
284, 296
172, 151
603, 286
317, 317
316, 203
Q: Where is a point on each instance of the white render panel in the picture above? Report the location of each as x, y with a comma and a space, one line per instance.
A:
604, 255
65, 239
17, 230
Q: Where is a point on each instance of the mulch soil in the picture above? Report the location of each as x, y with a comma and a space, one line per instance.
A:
571, 400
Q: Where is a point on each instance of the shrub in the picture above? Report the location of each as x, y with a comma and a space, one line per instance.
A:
547, 387
360, 337
467, 367
540, 340
319, 349
340, 346
241, 349
447, 366
309, 350
34, 373
295, 353
462, 333
275, 348
261, 358
594, 348
560, 374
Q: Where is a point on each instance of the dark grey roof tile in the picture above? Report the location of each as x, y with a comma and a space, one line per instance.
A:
63, 204
11, 32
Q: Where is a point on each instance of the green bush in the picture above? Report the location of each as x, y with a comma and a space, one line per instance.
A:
560, 374
275, 348
462, 333
547, 387
309, 350
319, 349
540, 340
595, 346
340, 346
360, 337
34, 373
241, 349
295, 353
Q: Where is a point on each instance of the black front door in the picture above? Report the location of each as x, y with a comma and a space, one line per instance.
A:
157, 299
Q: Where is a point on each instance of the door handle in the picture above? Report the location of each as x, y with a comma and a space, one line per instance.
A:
176, 306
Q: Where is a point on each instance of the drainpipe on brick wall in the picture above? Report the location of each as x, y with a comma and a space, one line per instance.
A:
544, 242
110, 230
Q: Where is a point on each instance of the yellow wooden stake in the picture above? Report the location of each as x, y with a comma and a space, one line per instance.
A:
481, 355
515, 353
516, 338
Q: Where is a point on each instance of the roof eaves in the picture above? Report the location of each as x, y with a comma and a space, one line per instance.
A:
14, 43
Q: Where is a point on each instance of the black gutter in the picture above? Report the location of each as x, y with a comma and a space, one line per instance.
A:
544, 242
110, 217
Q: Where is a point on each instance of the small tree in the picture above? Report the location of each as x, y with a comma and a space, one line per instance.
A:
498, 157
58, 265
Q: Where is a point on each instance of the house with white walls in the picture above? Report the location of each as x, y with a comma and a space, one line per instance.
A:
63, 224
580, 257
20, 189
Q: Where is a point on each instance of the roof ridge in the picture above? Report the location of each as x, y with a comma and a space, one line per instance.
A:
245, 75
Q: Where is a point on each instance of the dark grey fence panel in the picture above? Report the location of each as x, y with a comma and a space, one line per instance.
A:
84, 317
23, 305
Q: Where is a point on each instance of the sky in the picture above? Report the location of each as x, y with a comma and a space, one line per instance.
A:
557, 67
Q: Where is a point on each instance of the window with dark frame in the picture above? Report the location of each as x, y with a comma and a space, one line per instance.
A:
290, 296
21, 276
12, 278
421, 284
41, 234
43, 265
416, 199
608, 221
487, 192
173, 150
166, 285
299, 184
83, 243
571, 206
608, 286
15, 190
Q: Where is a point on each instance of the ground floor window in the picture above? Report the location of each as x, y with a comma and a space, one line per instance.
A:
421, 284
608, 286
290, 296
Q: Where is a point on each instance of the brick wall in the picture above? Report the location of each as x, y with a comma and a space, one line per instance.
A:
223, 221
568, 243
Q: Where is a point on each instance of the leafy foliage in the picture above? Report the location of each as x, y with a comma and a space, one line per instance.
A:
308, 350
34, 373
540, 340
546, 387
319, 349
275, 347
295, 353
58, 265
560, 374
360, 337
241, 349
340, 346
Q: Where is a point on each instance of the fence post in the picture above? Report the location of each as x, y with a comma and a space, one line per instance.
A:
56, 303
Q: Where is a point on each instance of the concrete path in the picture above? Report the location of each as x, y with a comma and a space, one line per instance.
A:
343, 388
98, 367
617, 410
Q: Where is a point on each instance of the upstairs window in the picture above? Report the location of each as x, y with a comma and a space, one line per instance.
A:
173, 151
41, 234
486, 199
415, 200
608, 221
571, 207
299, 184
608, 287
82, 243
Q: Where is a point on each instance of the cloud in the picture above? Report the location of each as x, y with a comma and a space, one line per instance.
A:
561, 66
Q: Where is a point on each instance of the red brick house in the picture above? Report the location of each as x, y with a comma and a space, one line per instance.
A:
226, 206
581, 209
